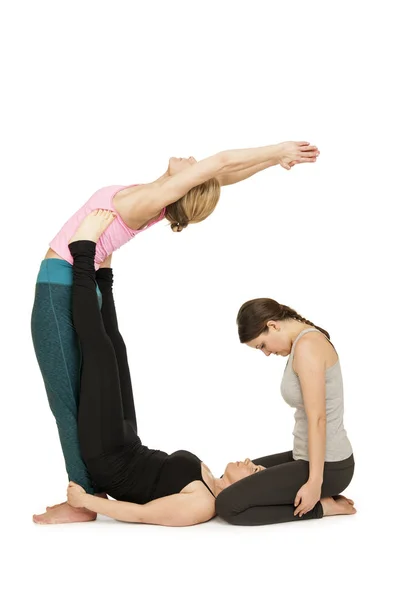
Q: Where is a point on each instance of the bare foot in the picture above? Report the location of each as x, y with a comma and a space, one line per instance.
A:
54, 506
100, 495
347, 499
93, 225
64, 513
340, 506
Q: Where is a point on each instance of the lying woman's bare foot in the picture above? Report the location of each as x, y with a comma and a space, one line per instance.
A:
100, 495
55, 506
93, 225
64, 513
340, 506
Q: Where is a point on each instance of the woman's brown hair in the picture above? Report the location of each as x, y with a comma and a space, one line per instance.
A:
254, 315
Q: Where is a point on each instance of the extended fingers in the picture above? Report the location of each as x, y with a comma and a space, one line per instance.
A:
309, 151
306, 154
307, 148
306, 159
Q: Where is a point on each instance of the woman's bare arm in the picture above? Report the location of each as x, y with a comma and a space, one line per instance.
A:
224, 166
220, 165
177, 510
231, 178
286, 154
310, 367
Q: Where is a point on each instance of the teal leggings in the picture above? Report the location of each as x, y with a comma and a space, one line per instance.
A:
59, 357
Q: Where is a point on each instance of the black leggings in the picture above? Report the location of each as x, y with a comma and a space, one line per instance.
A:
268, 496
107, 419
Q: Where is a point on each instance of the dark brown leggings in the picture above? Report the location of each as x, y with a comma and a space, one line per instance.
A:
268, 496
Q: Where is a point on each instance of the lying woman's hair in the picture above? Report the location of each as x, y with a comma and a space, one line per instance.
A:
195, 206
254, 315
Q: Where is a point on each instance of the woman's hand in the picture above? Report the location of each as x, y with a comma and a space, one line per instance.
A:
294, 153
76, 495
306, 498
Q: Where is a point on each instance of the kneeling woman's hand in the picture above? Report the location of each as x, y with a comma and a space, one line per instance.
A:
306, 498
76, 495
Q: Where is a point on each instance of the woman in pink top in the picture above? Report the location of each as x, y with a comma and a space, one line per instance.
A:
187, 192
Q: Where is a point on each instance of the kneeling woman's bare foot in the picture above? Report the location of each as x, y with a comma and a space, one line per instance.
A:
64, 513
344, 498
93, 225
340, 505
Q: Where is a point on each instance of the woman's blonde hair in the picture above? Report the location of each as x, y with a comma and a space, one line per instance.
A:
195, 206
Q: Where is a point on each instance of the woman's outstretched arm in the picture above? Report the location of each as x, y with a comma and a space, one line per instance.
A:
177, 510
229, 166
286, 154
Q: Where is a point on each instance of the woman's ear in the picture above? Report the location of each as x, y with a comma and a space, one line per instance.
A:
273, 325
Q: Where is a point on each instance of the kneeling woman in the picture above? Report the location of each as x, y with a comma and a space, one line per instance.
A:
149, 486
306, 482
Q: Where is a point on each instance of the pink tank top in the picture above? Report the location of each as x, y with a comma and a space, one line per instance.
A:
115, 236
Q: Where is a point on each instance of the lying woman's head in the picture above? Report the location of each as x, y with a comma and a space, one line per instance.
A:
266, 325
235, 471
197, 204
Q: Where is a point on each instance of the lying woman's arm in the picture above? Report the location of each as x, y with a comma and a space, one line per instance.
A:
229, 166
177, 510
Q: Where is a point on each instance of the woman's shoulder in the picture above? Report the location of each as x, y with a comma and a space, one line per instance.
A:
199, 489
202, 501
310, 340
315, 346
135, 205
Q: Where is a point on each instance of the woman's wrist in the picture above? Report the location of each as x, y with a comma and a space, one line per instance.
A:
275, 152
271, 154
315, 480
279, 150
86, 501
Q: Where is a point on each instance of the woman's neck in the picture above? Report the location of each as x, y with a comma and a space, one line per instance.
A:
295, 328
219, 484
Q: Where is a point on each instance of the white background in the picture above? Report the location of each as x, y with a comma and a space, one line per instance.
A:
100, 93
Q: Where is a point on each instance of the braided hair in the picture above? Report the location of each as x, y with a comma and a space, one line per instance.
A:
254, 315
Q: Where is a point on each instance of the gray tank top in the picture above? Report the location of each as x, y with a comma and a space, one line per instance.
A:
338, 446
